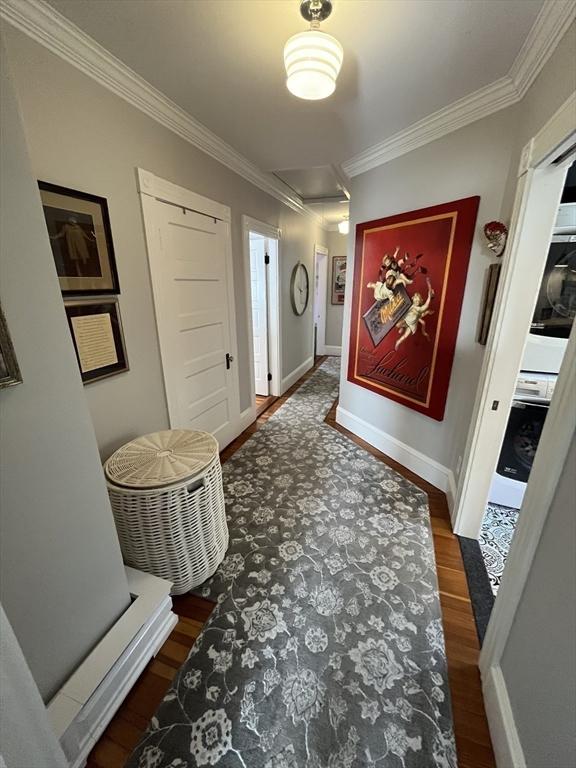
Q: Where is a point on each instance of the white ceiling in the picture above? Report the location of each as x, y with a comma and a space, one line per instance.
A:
221, 60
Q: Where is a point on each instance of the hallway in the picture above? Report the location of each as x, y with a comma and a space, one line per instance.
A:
323, 625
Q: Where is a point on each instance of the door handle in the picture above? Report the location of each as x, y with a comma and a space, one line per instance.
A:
229, 359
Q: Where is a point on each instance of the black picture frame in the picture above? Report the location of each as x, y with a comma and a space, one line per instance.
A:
87, 308
78, 225
488, 299
337, 286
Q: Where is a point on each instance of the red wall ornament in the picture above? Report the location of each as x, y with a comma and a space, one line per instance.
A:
409, 278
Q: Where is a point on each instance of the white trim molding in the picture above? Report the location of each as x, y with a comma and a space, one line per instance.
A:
330, 349
550, 26
274, 329
54, 31
438, 475
168, 192
45, 25
296, 374
83, 707
505, 740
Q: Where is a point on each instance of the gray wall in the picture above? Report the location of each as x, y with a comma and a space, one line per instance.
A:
539, 661
472, 161
299, 236
82, 136
62, 581
480, 159
337, 246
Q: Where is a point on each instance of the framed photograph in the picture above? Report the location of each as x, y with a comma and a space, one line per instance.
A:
490, 288
81, 239
96, 330
9, 369
338, 279
409, 277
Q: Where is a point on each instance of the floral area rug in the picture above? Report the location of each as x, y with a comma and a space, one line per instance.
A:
498, 528
325, 648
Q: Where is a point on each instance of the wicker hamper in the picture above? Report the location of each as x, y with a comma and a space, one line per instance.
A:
168, 503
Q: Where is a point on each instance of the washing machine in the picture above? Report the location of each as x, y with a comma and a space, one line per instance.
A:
525, 423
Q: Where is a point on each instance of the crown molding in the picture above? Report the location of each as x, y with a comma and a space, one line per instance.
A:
55, 32
549, 28
475, 106
551, 24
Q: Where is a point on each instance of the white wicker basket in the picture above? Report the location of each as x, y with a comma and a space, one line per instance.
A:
168, 503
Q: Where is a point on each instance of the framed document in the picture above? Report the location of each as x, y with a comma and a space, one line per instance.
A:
96, 330
81, 239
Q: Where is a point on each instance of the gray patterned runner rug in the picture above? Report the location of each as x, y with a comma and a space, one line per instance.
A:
325, 648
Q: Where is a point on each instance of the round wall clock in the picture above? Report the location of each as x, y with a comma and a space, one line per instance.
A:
299, 289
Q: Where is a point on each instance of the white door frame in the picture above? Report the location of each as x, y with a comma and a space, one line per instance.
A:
320, 268
274, 314
535, 208
549, 465
153, 189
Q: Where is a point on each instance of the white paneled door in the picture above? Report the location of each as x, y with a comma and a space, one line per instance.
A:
189, 261
258, 282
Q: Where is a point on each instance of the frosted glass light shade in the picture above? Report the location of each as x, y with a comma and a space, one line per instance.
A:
312, 60
344, 227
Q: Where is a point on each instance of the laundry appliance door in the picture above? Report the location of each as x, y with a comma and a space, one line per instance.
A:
523, 432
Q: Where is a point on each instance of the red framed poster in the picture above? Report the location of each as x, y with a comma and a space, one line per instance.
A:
409, 278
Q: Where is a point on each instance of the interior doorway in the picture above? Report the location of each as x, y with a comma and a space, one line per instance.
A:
261, 255
516, 448
320, 294
259, 258
545, 347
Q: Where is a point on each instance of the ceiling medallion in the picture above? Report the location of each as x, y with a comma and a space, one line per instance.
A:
313, 59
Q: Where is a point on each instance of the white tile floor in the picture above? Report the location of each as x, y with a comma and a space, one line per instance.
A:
498, 528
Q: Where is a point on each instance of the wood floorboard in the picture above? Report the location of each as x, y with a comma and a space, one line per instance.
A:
472, 736
263, 403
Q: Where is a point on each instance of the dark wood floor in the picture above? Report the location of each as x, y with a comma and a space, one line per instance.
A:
462, 648
263, 403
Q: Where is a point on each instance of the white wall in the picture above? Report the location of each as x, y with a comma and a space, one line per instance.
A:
82, 136
337, 246
539, 661
480, 159
62, 581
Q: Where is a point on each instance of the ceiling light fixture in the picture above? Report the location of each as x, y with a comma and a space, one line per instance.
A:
313, 58
344, 226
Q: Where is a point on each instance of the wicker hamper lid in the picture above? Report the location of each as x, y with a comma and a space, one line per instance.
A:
161, 458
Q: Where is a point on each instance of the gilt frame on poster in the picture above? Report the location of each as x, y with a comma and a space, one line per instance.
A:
409, 279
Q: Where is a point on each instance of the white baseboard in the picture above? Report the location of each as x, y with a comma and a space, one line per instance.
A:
328, 349
505, 740
87, 701
429, 469
246, 418
297, 373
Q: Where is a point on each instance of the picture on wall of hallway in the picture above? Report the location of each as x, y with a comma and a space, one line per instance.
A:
409, 278
338, 279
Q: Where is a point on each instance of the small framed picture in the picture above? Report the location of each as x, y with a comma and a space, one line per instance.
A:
96, 330
338, 279
81, 239
9, 369
490, 288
